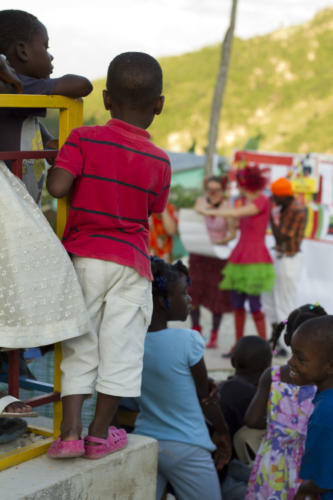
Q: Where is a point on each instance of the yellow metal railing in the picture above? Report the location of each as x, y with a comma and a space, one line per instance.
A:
71, 114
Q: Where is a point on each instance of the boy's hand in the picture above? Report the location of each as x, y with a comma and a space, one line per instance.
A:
52, 144
308, 490
305, 496
213, 395
299, 496
222, 454
8, 75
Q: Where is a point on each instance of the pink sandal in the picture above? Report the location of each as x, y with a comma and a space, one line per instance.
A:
66, 449
116, 440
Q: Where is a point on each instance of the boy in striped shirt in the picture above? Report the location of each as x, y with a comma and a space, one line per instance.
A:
117, 178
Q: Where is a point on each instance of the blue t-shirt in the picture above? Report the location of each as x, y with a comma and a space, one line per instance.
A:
317, 461
169, 406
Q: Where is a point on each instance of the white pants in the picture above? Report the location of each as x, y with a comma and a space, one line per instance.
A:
284, 297
119, 302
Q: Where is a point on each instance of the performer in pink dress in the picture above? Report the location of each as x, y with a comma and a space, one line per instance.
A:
249, 271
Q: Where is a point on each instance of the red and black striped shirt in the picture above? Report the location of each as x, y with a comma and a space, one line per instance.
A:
121, 177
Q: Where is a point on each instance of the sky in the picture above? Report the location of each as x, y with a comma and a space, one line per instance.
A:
85, 35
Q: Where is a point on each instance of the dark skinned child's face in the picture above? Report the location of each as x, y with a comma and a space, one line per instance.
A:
308, 364
37, 60
180, 300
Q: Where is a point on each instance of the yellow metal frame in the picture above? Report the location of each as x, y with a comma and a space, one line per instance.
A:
71, 115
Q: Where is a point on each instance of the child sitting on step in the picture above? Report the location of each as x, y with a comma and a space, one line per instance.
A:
175, 394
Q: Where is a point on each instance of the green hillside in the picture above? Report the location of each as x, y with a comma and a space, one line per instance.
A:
280, 85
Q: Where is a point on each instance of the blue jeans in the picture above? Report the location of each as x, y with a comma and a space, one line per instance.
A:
189, 469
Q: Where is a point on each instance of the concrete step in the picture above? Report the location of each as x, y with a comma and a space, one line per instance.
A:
129, 474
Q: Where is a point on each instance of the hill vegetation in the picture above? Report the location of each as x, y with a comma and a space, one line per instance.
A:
280, 86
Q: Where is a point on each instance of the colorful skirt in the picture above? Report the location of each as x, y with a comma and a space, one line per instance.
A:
252, 279
205, 273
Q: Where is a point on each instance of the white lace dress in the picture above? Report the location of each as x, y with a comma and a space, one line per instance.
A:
40, 298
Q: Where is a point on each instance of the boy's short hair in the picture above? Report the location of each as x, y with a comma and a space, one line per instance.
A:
251, 354
134, 79
321, 330
15, 26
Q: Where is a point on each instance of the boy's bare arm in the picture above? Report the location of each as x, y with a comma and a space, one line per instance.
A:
255, 415
59, 182
73, 86
170, 225
308, 489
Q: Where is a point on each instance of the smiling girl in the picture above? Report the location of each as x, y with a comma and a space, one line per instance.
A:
284, 408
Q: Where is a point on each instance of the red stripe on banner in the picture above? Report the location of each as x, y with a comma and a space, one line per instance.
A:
315, 224
320, 189
263, 158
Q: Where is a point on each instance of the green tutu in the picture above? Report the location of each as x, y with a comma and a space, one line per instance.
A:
252, 279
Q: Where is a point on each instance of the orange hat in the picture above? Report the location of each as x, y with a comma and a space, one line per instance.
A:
282, 187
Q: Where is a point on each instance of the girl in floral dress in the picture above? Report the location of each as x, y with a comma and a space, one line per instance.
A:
284, 409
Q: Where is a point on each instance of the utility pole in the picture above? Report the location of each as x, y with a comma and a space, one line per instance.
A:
220, 86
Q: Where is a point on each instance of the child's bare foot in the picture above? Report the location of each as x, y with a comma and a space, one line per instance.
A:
17, 407
71, 436
71, 425
71, 433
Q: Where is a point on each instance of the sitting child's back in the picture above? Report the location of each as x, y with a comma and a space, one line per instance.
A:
169, 405
175, 394
252, 355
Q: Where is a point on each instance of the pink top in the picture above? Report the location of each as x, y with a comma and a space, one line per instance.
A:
251, 248
217, 227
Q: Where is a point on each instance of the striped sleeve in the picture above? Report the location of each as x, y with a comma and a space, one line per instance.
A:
158, 203
70, 155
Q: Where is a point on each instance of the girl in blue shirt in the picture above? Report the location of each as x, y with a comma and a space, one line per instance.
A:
175, 394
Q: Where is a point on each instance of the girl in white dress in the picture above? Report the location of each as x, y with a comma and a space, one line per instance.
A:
40, 298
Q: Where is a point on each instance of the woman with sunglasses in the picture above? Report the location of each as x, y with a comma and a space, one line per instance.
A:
206, 271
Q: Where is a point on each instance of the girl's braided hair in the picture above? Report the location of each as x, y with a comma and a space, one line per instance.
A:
295, 319
164, 275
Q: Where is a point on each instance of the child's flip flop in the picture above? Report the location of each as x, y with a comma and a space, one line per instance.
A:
66, 449
98, 448
7, 400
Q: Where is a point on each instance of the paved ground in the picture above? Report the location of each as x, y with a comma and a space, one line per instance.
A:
219, 367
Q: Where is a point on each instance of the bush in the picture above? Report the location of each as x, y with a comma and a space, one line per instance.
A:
182, 197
